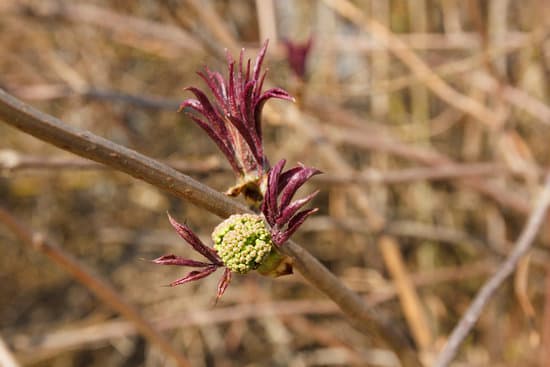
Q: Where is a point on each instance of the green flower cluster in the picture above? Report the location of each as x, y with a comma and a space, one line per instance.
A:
242, 241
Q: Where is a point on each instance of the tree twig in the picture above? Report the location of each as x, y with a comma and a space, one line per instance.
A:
521, 247
400, 49
88, 145
13, 161
101, 288
6, 357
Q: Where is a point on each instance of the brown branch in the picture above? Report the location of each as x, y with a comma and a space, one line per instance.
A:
101, 288
88, 145
13, 161
408, 297
93, 147
521, 247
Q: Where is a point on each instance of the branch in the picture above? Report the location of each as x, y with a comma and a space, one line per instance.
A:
101, 288
12, 161
6, 356
359, 137
521, 247
88, 145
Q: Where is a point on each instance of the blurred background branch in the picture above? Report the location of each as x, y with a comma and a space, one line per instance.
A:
93, 282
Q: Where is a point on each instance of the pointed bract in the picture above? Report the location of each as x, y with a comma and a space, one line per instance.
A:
195, 275
207, 268
280, 212
293, 207
223, 283
191, 238
180, 261
295, 182
233, 117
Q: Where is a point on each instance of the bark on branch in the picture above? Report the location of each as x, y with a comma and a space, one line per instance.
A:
87, 145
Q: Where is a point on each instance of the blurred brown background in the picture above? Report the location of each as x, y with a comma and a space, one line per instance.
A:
437, 135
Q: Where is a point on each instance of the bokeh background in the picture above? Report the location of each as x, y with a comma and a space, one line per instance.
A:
433, 138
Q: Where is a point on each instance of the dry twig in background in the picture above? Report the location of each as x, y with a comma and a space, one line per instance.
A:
524, 242
93, 282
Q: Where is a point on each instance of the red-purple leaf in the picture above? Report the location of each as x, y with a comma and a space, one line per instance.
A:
259, 60
227, 149
178, 260
192, 239
298, 219
260, 100
208, 111
293, 207
223, 283
270, 200
247, 136
295, 182
218, 90
195, 275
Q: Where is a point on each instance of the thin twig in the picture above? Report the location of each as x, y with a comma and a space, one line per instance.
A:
101, 288
169, 40
521, 247
420, 41
430, 157
400, 49
544, 357
214, 23
88, 145
6, 356
13, 161
442, 172
34, 349
396, 228
451, 68
408, 297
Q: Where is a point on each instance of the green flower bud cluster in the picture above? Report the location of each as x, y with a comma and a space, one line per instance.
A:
242, 241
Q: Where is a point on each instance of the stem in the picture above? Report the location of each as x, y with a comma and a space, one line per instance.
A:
88, 145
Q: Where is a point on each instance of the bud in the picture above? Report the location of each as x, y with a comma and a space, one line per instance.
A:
243, 242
